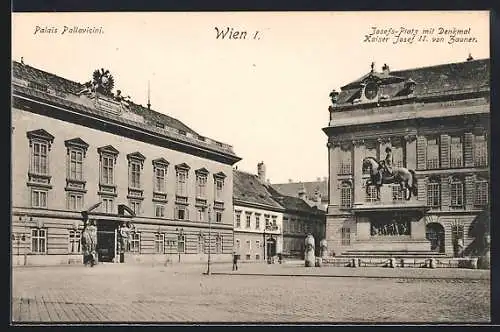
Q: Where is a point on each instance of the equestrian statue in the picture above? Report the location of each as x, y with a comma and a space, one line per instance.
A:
382, 172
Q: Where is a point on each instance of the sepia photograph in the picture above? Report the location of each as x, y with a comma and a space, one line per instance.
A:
250, 167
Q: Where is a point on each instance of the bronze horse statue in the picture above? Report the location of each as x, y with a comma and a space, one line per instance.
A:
406, 178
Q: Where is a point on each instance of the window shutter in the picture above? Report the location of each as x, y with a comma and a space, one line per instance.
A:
470, 191
445, 192
468, 150
422, 189
445, 151
421, 152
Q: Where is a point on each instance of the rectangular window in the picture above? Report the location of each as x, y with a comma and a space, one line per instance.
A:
237, 245
107, 205
181, 183
181, 244
257, 244
432, 153
136, 207
219, 185
135, 174
159, 243
201, 244
433, 194
238, 219
218, 216
397, 193
371, 194
74, 201
345, 166
218, 244
160, 179
456, 152
74, 242
171, 245
257, 221
200, 214
248, 219
135, 242
346, 236
268, 224
346, 195
75, 171
398, 156
159, 210
38, 241
481, 193
457, 194
39, 158
107, 165
370, 152
480, 151
249, 245
201, 186
38, 198
181, 213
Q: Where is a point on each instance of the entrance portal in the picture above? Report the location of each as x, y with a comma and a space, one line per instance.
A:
106, 241
270, 247
434, 232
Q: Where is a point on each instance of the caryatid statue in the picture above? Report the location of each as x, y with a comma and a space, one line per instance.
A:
309, 257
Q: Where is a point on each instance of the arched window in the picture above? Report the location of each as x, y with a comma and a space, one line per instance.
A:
456, 192
346, 195
434, 192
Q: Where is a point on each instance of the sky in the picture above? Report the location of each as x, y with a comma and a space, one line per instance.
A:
266, 96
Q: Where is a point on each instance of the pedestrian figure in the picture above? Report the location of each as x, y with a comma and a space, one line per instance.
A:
235, 261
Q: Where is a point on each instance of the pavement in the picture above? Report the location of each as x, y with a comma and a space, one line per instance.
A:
255, 293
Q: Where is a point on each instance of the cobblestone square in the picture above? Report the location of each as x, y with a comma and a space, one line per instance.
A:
173, 294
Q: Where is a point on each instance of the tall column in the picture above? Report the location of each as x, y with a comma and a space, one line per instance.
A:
468, 150
333, 162
444, 142
445, 192
357, 163
469, 191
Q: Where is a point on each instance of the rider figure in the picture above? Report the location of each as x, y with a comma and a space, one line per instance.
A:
386, 165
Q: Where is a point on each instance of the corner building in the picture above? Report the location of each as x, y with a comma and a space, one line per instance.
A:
71, 150
436, 120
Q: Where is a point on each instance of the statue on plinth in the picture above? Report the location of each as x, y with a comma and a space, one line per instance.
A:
124, 234
484, 259
89, 243
309, 257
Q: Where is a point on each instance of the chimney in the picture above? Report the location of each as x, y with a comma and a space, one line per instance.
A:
385, 69
302, 192
261, 171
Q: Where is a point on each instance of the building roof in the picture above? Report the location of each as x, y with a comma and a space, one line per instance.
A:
432, 80
310, 188
248, 188
63, 92
294, 204
32, 74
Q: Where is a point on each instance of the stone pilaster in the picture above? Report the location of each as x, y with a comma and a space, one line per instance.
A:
444, 142
357, 162
468, 150
333, 162
469, 191
421, 152
422, 189
445, 192
411, 151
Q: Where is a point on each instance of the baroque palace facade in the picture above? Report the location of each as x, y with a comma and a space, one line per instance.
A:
436, 120
74, 146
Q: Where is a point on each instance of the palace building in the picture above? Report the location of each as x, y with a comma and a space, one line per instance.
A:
436, 120
75, 145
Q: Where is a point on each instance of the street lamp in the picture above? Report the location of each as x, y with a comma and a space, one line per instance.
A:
209, 238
